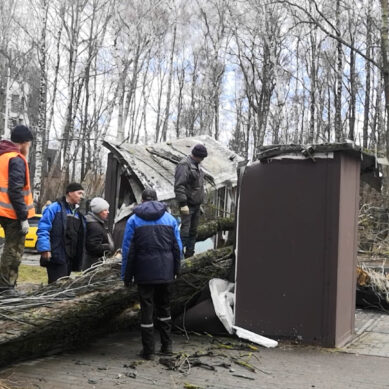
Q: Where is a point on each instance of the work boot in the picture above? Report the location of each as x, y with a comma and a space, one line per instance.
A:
9, 291
147, 356
165, 328
190, 246
167, 349
148, 343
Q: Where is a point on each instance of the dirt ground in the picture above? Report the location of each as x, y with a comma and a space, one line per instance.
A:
113, 362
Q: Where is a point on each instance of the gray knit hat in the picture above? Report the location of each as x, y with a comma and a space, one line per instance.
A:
98, 204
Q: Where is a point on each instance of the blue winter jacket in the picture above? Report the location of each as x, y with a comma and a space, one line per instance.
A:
54, 236
151, 245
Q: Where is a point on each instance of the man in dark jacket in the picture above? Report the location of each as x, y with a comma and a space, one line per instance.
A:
16, 203
61, 233
98, 240
151, 256
189, 190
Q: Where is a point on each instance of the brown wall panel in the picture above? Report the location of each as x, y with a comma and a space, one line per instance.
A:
346, 277
287, 261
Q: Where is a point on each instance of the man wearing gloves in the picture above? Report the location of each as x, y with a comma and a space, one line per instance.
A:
189, 190
61, 233
16, 203
98, 240
151, 256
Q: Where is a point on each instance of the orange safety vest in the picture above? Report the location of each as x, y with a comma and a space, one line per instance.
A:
6, 208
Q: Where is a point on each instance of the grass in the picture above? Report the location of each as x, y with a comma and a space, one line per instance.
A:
32, 274
29, 274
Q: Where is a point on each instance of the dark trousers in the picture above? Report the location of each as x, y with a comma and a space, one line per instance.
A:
12, 252
188, 231
88, 261
57, 270
157, 295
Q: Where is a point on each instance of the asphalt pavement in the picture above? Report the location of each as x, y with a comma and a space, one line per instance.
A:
200, 362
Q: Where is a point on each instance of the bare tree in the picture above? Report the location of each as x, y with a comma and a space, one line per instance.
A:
40, 134
368, 25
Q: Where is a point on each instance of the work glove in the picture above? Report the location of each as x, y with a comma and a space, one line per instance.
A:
24, 227
184, 210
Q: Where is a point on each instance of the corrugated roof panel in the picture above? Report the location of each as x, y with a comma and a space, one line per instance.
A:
155, 164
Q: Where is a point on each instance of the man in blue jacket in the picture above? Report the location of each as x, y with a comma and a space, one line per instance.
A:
151, 257
61, 233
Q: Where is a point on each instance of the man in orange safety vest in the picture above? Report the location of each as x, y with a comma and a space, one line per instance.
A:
16, 204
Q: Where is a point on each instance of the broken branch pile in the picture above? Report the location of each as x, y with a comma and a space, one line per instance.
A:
214, 356
372, 289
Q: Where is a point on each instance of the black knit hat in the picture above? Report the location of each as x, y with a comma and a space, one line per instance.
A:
149, 194
199, 151
73, 187
21, 134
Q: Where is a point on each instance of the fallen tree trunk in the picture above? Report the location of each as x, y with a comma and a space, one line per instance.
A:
71, 312
212, 227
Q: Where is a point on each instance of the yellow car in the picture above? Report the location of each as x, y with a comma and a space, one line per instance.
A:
31, 237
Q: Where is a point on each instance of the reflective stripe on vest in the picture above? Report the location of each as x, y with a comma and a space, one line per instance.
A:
24, 192
6, 208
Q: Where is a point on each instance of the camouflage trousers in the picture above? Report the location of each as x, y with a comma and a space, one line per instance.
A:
12, 252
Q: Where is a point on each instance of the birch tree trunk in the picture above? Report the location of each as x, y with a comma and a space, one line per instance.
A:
181, 80
130, 92
158, 122
378, 133
353, 83
192, 109
339, 79
312, 89
385, 71
74, 89
353, 96
169, 87
385, 61
366, 106
40, 135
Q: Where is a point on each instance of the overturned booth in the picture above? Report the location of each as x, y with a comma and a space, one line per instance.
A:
133, 167
297, 242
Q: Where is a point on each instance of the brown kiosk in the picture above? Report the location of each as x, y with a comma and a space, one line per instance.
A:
297, 243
